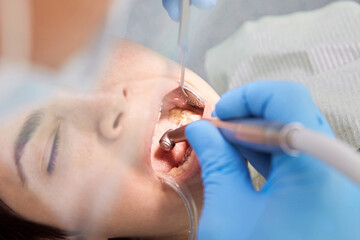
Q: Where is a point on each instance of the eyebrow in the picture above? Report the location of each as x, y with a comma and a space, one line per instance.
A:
31, 124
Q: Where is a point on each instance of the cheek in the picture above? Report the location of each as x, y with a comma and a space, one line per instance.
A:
84, 191
138, 106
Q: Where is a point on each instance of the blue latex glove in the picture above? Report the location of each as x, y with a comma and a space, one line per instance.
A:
302, 198
173, 6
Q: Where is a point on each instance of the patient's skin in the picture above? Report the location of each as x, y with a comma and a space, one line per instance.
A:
102, 176
102, 181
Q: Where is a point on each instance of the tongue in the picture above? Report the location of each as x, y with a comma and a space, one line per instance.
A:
165, 161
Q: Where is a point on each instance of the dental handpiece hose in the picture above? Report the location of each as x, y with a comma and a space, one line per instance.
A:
291, 138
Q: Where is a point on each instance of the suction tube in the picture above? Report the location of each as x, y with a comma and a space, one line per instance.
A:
188, 201
331, 151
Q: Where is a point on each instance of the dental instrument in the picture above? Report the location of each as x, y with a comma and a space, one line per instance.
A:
171, 137
191, 98
183, 37
277, 137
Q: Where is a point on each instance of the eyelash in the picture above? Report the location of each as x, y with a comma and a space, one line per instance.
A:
54, 153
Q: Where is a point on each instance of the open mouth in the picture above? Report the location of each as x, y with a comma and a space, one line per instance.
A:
174, 113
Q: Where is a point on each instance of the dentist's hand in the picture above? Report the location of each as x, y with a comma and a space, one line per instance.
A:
302, 198
173, 6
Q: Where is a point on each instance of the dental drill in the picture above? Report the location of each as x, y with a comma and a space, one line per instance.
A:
276, 137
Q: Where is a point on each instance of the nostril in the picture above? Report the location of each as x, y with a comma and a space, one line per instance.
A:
125, 92
110, 126
117, 120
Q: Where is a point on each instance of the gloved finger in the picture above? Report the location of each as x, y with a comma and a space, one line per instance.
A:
205, 4
173, 9
273, 100
228, 190
279, 101
173, 6
219, 160
213, 114
260, 161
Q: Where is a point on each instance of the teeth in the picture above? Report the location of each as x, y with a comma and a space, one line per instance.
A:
176, 171
186, 165
182, 117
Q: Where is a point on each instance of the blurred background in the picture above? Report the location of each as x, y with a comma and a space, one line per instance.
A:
79, 33
149, 25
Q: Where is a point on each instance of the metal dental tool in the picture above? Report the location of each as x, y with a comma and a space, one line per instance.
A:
171, 137
256, 134
183, 37
191, 98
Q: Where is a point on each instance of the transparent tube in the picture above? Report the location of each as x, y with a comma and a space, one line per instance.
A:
331, 151
189, 202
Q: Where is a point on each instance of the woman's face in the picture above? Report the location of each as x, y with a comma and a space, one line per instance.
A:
90, 161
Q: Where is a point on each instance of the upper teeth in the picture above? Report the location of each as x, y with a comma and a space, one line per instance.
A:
182, 117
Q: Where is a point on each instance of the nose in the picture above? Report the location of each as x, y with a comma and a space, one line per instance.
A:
102, 112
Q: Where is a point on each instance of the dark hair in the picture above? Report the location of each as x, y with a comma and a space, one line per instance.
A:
14, 227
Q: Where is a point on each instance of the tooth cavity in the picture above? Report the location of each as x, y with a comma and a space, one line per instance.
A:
182, 117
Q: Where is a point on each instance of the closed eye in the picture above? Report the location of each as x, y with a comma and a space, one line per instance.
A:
54, 153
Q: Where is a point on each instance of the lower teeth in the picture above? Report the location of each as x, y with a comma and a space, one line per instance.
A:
176, 171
